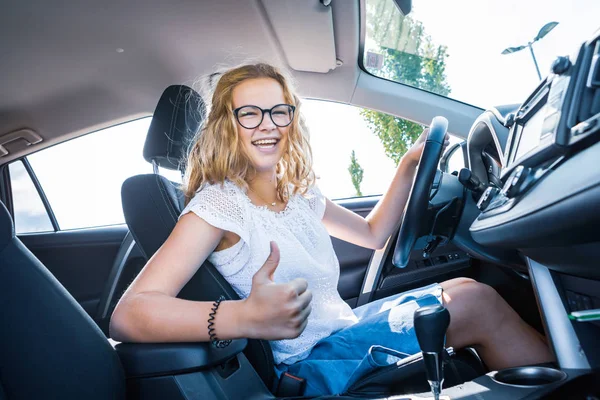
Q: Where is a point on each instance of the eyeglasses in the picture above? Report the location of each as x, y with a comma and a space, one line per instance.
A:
251, 117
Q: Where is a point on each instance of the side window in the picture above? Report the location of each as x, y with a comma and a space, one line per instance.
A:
30, 213
456, 160
356, 151
82, 178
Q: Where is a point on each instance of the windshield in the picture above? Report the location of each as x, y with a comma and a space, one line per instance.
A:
455, 48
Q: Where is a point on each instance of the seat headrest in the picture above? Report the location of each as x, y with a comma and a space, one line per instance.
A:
177, 118
7, 230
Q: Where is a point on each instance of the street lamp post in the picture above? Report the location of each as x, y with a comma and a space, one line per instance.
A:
543, 32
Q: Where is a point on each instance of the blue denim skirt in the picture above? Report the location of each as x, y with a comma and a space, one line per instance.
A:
384, 334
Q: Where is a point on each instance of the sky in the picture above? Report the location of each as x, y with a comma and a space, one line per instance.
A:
82, 178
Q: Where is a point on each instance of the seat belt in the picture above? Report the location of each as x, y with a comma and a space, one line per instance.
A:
290, 386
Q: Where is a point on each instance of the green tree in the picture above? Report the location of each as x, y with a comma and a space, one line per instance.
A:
356, 173
410, 58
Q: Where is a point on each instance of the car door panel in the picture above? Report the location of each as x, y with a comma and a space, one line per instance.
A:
80, 259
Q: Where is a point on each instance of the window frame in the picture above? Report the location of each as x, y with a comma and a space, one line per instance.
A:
5, 178
6, 188
40, 192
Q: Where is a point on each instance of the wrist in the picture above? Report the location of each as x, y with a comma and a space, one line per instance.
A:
231, 324
244, 320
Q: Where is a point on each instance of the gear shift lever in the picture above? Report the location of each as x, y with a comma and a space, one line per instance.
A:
431, 323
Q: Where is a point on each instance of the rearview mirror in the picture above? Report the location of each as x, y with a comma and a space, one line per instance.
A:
404, 6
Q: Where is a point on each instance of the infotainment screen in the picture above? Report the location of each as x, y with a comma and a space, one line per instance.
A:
531, 133
537, 121
562, 111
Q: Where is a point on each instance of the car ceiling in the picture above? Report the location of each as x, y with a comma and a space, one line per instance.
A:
62, 74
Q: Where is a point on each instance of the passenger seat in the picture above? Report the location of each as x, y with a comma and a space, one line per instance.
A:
49, 347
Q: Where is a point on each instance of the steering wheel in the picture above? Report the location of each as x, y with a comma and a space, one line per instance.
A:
418, 200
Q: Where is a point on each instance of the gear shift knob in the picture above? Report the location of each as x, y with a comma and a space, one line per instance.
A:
431, 323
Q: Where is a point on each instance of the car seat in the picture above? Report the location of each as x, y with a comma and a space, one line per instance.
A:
152, 204
49, 347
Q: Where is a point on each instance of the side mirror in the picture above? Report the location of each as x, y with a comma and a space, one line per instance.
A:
453, 157
405, 6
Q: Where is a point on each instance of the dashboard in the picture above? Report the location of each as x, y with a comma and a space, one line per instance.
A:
548, 188
540, 164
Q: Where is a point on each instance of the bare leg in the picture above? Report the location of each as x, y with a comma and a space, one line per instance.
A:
480, 318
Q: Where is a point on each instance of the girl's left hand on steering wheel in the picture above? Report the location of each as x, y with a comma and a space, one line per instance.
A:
414, 153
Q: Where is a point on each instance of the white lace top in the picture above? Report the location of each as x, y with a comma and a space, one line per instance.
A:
305, 248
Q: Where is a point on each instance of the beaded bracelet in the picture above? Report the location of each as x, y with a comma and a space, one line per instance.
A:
211, 330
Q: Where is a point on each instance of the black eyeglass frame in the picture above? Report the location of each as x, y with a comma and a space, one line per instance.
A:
264, 111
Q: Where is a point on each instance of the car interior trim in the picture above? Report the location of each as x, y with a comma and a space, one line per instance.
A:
373, 270
559, 328
41, 193
479, 135
287, 19
575, 176
114, 277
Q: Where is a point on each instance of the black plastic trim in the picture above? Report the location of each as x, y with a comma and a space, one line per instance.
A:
161, 359
486, 128
559, 208
41, 193
114, 276
359, 204
5, 188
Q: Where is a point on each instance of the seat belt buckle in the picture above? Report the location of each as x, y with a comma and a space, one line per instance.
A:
290, 385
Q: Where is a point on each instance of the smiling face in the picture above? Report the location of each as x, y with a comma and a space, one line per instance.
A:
265, 144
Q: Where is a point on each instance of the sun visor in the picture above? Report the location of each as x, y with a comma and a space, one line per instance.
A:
305, 32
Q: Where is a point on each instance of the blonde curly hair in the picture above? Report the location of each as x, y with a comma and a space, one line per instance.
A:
216, 153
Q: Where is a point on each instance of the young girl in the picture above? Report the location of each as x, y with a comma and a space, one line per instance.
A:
254, 212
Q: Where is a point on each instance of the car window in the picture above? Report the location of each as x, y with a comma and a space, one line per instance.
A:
454, 49
30, 213
355, 150
82, 178
456, 161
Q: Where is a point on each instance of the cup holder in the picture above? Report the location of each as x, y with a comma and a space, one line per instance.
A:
529, 376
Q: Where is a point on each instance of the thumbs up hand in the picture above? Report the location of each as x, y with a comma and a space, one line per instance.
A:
275, 311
